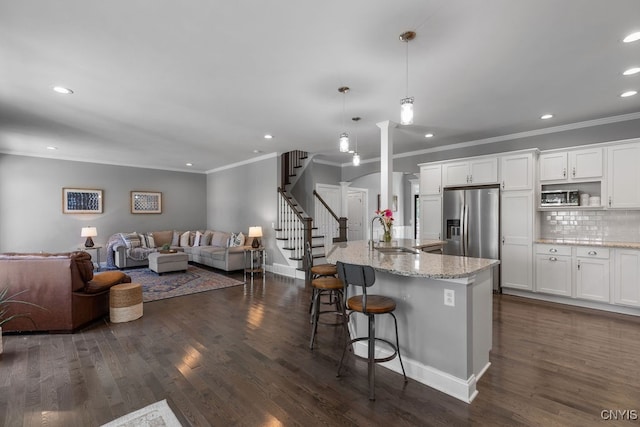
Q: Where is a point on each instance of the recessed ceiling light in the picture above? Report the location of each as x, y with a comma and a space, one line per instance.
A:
62, 90
631, 71
257, 151
546, 116
51, 147
189, 164
632, 37
268, 136
429, 135
628, 93
351, 151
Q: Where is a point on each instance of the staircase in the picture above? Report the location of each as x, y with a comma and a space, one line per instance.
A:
295, 227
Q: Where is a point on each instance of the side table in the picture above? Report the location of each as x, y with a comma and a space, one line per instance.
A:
254, 262
97, 249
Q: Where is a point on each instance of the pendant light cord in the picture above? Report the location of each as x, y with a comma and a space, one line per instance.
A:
407, 63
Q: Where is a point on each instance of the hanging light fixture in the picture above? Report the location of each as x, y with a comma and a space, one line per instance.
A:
406, 103
356, 156
344, 136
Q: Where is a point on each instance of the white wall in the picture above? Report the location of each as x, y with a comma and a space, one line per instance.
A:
31, 218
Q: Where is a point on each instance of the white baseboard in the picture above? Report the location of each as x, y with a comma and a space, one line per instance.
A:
575, 302
287, 270
459, 388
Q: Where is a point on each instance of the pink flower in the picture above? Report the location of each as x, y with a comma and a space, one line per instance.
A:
386, 218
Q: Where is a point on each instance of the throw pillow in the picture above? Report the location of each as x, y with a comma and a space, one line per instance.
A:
236, 240
207, 238
220, 239
175, 241
197, 238
131, 240
151, 241
184, 239
143, 240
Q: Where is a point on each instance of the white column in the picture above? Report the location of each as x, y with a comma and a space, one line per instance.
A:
386, 163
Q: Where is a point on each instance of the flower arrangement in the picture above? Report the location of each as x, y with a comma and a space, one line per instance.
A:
385, 216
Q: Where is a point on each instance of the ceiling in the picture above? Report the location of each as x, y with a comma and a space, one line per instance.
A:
160, 83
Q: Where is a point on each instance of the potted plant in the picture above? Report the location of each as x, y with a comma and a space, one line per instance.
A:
5, 315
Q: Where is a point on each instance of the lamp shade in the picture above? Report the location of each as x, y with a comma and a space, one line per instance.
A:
344, 142
255, 231
406, 111
89, 232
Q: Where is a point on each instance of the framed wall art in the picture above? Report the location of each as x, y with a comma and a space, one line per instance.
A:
146, 202
81, 201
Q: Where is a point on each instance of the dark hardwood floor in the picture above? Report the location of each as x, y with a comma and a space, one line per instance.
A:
239, 356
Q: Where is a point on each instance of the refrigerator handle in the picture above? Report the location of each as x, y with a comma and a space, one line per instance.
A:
465, 231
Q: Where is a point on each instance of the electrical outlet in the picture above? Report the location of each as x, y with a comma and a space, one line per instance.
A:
449, 298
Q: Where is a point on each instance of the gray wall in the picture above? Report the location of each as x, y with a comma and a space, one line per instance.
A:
314, 173
245, 196
31, 217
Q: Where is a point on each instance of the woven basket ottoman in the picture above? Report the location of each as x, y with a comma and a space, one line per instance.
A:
165, 262
125, 302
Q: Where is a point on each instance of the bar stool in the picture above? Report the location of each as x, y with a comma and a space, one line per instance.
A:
363, 276
329, 286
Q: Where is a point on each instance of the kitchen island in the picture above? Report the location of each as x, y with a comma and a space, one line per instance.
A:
444, 311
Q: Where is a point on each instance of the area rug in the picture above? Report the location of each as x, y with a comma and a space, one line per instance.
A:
157, 414
168, 285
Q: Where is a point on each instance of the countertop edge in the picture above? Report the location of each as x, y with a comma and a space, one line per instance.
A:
599, 243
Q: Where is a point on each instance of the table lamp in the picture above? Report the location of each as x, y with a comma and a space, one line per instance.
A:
256, 233
88, 232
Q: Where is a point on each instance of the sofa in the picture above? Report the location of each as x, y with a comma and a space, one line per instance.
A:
62, 284
217, 249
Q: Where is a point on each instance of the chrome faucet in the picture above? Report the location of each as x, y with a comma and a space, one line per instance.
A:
371, 232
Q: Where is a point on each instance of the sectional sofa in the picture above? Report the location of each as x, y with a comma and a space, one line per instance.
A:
218, 249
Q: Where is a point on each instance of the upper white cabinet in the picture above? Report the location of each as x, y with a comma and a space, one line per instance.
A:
517, 172
471, 172
585, 164
623, 176
430, 179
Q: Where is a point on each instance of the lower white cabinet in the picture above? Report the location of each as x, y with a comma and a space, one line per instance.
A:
553, 270
591, 267
431, 217
626, 277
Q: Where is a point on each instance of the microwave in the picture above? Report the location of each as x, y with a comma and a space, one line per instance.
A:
560, 198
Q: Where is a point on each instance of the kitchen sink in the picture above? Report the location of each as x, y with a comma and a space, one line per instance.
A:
395, 250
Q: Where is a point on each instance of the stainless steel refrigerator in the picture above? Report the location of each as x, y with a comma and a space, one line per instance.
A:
471, 224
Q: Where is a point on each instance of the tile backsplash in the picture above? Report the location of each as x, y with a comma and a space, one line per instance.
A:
613, 226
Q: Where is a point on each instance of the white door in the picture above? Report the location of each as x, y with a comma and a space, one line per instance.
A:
516, 268
553, 166
355, 213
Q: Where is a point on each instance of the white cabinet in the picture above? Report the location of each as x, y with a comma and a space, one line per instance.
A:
517, 234
430, 179
626, 277
623, 176
430, 217
553, 270
471, 172
517, 172
591, 267
580, 165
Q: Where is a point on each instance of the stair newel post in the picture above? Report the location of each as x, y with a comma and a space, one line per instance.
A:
342, 228
305, 240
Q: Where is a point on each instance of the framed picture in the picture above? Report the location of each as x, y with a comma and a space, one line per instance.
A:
81, 201
146, 202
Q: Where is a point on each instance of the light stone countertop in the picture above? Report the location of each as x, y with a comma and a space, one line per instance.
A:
599, 243
420, 264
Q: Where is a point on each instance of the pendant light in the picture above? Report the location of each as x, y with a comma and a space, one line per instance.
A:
344, 136
356, 156
406, 103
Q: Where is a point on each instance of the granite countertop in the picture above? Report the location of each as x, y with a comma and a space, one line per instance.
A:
420, 264
599, 243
